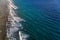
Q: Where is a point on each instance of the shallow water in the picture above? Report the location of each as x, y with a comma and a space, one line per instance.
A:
42, 18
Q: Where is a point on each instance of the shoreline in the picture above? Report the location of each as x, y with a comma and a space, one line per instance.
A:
3, 19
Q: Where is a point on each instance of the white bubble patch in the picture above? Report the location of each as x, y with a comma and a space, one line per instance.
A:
13, 23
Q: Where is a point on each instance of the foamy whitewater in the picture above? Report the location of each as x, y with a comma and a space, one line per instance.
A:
13, 23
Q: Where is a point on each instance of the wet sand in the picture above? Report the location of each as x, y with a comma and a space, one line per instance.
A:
3, 19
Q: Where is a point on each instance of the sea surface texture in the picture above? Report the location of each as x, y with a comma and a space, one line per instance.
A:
42, 18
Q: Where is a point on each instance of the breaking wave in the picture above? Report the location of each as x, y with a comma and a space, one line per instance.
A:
13, 23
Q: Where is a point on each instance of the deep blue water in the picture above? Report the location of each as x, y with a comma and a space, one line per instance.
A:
42, 18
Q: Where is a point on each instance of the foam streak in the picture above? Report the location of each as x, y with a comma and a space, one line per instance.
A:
13, 20
13, 23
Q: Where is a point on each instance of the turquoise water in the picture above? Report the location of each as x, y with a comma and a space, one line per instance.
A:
42, 19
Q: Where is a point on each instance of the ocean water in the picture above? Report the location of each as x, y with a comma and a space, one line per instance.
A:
42, 18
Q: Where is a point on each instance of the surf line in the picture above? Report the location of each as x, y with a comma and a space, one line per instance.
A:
13, 23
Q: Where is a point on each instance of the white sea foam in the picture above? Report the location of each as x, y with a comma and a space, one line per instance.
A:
13, 23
